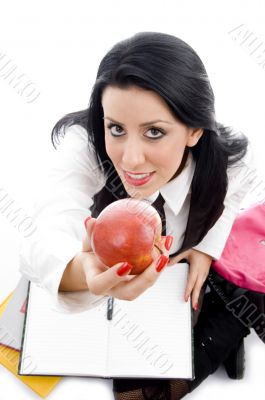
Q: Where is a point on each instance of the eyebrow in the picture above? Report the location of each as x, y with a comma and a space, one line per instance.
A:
144, 124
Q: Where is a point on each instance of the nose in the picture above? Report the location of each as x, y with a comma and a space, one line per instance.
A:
133, 154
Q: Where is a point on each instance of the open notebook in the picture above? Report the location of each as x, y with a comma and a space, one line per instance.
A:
149, 337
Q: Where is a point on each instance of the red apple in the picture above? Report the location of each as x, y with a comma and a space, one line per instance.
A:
127, 230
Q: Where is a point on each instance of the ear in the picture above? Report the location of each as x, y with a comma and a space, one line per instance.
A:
194, 136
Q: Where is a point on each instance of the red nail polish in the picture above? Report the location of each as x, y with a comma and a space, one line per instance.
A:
196, 307
168, 242
124, 268
162, 261
86, 221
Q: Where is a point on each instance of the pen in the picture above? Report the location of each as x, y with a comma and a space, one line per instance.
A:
110, 308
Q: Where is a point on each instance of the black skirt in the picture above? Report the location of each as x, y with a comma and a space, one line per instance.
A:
246, 305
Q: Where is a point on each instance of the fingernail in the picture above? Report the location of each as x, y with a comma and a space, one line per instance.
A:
124, 268
186, 298
168, 242
86, 221
162, 261
196, 307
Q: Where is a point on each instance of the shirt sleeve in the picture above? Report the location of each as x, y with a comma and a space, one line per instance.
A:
58, 217
241, 178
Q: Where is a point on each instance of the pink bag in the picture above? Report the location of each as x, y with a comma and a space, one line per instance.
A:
243, 259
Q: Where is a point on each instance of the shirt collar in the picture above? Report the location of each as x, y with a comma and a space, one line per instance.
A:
175, 191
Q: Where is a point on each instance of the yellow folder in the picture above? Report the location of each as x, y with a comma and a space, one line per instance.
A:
9, 358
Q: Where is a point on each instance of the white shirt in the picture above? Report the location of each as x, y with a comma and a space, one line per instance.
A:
61, 208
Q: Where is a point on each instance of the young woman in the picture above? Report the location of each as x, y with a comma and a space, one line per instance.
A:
150, 133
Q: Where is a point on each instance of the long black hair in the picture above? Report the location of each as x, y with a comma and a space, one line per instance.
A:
170, 67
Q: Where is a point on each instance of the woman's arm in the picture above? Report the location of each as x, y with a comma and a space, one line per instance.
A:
74, 278
58, 214
241, 178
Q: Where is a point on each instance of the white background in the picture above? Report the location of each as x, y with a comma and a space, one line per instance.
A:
59, 45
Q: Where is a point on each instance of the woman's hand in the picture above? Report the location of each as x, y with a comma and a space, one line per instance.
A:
102, 280
200, 264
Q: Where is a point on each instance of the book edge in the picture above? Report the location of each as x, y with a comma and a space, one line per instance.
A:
19, 372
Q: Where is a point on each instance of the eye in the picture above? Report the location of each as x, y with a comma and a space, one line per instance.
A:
110, 126
154, 131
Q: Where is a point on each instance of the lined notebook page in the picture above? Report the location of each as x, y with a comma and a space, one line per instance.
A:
154, 331
63, 344
147, 337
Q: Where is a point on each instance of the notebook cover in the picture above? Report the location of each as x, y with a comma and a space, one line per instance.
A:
12, 320
9, 358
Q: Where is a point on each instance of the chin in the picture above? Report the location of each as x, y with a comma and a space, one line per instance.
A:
140, 194
136, 194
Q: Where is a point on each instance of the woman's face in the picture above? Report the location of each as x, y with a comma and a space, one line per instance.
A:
135, 143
